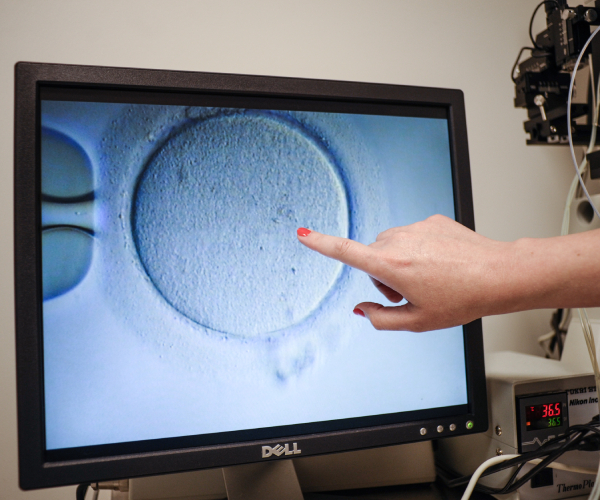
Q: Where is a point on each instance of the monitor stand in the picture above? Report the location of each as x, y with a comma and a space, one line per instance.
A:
277, 480
318, 475
272, 480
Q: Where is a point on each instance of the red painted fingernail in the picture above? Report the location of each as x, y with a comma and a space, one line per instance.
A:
358, 312
303, 231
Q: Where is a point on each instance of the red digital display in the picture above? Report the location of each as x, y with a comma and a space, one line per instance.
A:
543, 416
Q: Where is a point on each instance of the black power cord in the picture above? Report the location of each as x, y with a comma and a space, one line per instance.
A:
533, 54
82, 490
585, 437
512, 73
545, 2
557, 341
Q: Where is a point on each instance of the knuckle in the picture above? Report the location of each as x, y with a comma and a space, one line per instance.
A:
437, 219
343, 247
386, 234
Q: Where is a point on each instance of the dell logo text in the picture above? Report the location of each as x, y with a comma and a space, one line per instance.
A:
279, 450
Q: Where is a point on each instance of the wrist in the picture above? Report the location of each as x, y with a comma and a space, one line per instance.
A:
531, 278
559, 272
508, 274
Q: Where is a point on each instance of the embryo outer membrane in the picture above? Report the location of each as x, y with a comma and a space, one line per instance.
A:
214, 217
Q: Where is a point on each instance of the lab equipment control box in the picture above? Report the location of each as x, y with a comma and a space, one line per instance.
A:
531, 400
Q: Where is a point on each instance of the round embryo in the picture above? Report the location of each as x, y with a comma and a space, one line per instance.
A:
214, 216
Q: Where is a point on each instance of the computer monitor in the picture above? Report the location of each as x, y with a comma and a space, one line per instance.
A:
167, 319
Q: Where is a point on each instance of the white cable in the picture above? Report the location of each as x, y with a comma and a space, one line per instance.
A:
546, 336
591, 345
584, 163
595, 490
570, 196
594, 97
569, 133
480, 470
587, 331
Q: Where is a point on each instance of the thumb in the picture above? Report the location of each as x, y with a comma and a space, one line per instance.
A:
387, 318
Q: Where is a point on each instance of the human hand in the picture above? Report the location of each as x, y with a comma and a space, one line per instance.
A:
448, 274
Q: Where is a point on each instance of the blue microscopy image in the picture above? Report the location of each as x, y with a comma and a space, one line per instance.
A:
67, 184
66, 168
66, 254
175, 286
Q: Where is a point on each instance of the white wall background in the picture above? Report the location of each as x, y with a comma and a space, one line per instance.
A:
466, 44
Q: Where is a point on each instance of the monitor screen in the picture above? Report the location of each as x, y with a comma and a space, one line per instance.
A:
176, 309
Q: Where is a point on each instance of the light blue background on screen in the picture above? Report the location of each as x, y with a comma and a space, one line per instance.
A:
414, 155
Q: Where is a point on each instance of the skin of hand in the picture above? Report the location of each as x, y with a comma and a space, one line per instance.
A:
451, 275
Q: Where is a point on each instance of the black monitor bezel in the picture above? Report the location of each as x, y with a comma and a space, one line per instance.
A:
160, 456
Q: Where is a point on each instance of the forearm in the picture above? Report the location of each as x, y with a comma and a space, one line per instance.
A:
560, 272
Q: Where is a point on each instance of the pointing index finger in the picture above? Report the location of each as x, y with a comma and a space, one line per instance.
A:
347, 251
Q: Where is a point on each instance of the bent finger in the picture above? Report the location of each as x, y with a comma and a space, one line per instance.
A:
349, 252
400, 318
